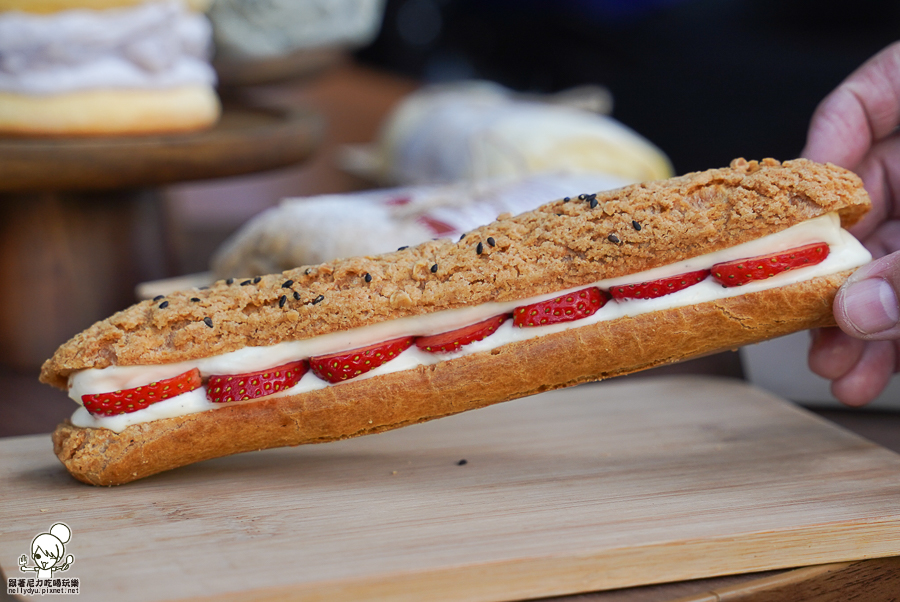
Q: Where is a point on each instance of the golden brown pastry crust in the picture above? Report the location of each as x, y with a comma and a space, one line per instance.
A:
52, 6
558, 246
592, 352
110, 112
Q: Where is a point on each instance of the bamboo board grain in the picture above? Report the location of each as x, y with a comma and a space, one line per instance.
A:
604, 486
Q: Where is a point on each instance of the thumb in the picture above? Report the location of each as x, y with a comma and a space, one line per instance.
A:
868, 305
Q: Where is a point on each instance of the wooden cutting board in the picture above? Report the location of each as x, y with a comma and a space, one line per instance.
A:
602, 486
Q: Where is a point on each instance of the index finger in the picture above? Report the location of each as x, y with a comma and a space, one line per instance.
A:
862, 110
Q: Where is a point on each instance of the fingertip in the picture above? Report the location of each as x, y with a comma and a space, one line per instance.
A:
849, 398
869, 377
833, 353
868, 307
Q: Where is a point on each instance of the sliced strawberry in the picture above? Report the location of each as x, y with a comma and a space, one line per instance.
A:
566, 308
132, 400
240, 387
658, 288
345, 365
742, 271
453, 340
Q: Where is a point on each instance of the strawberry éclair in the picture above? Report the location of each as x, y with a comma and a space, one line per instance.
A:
342, 366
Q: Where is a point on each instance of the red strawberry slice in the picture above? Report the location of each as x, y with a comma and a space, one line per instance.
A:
742, 271
239, 387
132, 400
658, 288
453, 340
345, 365
566, 308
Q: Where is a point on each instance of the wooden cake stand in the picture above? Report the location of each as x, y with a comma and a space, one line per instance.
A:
82, 221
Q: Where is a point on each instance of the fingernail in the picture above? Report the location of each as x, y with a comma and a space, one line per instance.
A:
871, 305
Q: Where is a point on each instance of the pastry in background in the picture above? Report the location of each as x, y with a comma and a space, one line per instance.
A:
306, 231
480, 130
105, 67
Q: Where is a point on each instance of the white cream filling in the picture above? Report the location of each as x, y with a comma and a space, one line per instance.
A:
156, 45
845, 253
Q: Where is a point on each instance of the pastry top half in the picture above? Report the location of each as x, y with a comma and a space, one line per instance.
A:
560, 245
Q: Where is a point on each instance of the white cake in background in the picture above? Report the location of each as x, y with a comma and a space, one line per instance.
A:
105, 68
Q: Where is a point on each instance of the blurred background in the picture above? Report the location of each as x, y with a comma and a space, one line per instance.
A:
704, 81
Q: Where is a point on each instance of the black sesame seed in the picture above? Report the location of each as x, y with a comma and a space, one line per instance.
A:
581, 197
462, 462
613, 238
229, 281
308, 270
208, 321
158, 297
593, 203
282, 301
368, 277
491, 241
434, 268
636, 225
195, 299
287, 284
318, 299
164, 305
257, 279
246, 282
296, 296
462, 236
479, 249
590, 197
566, 200
402, 248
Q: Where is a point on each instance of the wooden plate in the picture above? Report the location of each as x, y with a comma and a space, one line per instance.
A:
245, 140
300, 64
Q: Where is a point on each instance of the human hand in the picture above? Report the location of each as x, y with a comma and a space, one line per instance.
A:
856, 127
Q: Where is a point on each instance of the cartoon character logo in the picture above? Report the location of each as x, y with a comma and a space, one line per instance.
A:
47, 552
